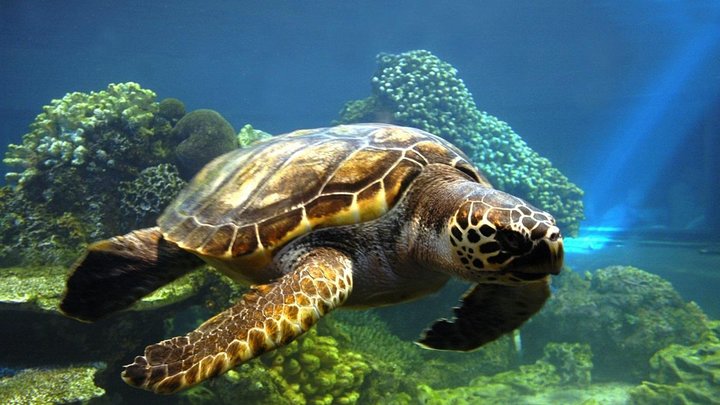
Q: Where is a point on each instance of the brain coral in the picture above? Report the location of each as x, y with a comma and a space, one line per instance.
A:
418, 89
146, 196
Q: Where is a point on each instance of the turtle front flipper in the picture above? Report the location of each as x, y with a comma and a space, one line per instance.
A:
267, 317
116, 272
488, 311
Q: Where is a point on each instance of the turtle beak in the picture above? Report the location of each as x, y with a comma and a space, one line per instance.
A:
545, 258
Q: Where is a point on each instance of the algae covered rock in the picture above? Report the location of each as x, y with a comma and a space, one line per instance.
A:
51, 386
683, 375
418, 89
40, 289
563, 367
623, 312
203, 135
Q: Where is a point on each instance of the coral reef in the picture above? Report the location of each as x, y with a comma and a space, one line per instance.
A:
144, 198
683, 375
623, 312
315, 369
203, 135
51, 386
562, 365
418, 89
33, 233
78, 151
249, 135
310, 370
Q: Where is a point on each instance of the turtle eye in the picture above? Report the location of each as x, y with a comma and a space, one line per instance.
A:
513, 242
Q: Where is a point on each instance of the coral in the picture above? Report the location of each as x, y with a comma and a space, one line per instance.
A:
310, 370
683, 375
623, 312
51, 386
78, 130
572, 361
30, 233
144, 198
317, 370
203, 135
249, 135
78, 151
562, 366
172, 110
418, 89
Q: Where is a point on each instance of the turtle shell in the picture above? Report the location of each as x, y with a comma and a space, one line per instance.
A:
249, 202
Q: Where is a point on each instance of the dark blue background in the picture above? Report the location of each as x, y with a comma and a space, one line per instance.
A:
622, 96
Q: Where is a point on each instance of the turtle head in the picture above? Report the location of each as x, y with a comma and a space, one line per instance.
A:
496, 237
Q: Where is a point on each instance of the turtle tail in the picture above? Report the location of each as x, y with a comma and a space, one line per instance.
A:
116, 272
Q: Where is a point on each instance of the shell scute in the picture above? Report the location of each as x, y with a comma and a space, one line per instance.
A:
249, 202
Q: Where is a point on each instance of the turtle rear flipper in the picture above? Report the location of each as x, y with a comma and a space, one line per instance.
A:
488, 311
267, 317
116, 272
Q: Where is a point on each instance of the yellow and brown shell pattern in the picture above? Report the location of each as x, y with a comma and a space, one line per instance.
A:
246, 204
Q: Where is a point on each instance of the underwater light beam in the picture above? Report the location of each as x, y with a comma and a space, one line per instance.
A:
664, 109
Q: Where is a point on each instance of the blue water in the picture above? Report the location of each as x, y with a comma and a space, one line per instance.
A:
619, 97
623, 98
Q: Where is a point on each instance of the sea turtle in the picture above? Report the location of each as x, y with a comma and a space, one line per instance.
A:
356, 216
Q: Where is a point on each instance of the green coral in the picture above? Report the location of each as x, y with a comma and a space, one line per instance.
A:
418, 89
172, 110
683, 375
249, 135
51, 386
77, 153
144, 198
311, 370
623, 312
562, 366
318, 371
203, 135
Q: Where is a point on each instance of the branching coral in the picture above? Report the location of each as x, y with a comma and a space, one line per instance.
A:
77, 153
418, 89
84, 130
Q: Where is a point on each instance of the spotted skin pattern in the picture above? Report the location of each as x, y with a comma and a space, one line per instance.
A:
487, 234
267, 317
